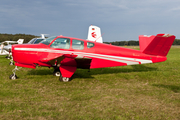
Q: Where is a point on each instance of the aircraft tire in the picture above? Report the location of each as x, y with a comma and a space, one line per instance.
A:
7, 57
64, 79
11, 63
12, 77
57, 72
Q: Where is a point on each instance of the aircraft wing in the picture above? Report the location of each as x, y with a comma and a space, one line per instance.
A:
52, 61
68, 60
7, 47
8, 42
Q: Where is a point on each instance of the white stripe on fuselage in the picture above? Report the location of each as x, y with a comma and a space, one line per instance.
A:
127, 60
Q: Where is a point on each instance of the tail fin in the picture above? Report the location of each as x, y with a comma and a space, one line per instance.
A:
156, 45
43, 35
20, 41
94, 34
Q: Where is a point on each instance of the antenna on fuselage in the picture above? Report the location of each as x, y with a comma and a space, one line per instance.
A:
99, 37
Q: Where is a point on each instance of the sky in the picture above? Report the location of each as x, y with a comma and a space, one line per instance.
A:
119, 20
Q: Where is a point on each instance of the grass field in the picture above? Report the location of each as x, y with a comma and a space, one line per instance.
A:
140, 92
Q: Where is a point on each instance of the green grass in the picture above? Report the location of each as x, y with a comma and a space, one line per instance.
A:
141, 92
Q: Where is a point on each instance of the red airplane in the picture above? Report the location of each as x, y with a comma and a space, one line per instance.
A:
66, 54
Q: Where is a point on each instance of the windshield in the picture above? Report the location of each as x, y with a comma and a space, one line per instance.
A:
48, 40
61, 43
38, 41
31, 41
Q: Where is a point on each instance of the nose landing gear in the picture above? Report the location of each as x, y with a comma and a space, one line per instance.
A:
13, 76
11, 62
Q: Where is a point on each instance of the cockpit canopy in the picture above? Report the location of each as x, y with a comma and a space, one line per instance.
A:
64, 43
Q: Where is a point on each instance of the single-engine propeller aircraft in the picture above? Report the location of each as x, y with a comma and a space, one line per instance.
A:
32, 41
66, 54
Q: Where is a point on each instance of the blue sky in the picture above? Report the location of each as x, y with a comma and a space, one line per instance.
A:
118, 19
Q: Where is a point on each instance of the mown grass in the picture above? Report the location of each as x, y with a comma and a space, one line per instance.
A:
143, 92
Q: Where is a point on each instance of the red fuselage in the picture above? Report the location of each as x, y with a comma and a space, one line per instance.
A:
98, 55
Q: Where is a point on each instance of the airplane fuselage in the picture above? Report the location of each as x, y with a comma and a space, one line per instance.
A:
91, 55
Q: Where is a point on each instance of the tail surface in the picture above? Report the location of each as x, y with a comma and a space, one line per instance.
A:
156, 45
94, 34
43, 36
20, 41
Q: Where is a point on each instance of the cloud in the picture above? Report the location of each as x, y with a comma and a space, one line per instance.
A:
175, 9
117, 18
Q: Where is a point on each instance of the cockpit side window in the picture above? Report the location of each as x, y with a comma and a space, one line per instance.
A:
78, 44
63, 43
90, 44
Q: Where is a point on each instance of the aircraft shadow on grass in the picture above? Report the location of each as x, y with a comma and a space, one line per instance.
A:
112, 70
40, 72
83, 73
173, 88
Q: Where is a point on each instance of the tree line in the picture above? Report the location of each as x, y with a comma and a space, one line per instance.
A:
135, 43
124, 43
15, 37
27, 38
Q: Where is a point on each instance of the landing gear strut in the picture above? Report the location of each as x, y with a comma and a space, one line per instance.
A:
13, 76
11, 61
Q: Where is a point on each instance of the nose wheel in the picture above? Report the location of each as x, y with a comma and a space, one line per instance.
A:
11, 61
13, 76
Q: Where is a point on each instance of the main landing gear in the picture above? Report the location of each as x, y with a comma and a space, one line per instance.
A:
13, 76
64, 79
57, 72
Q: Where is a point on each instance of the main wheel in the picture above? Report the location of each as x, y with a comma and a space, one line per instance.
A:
57, 72
64, 79
12, 77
